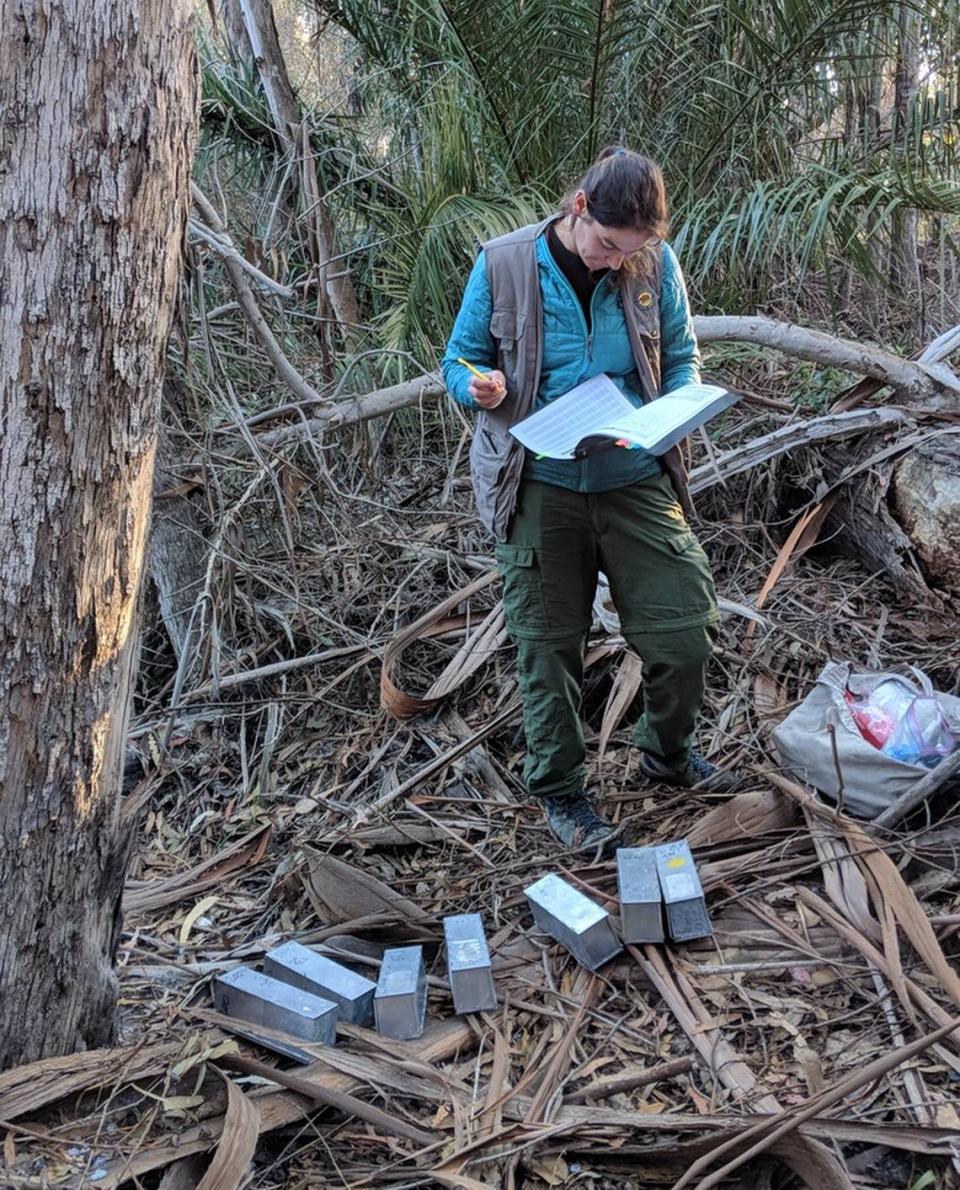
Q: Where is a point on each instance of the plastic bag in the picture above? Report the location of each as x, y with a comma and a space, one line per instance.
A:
879, 709
922, 735
902, 719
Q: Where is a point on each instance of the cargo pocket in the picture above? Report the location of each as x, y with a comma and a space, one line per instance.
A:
523, 603
671, 586
694, 595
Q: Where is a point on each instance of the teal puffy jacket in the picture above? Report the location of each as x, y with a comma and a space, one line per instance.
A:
572, 354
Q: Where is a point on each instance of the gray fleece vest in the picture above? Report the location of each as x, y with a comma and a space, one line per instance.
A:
516, 324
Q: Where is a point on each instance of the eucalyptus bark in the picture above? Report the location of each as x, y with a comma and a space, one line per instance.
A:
99, 102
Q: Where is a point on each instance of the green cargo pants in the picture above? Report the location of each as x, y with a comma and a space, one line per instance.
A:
662, 588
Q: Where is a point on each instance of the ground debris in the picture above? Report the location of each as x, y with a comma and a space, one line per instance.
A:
280, 802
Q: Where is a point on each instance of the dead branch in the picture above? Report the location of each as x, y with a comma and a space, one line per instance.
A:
913, 380
222, 245
832, 426
330, 1097
241, 284
917, 794
351, 410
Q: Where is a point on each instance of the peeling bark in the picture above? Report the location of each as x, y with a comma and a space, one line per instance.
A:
99, 101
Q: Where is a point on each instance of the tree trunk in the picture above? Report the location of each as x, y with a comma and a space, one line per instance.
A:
100, 103
235, 35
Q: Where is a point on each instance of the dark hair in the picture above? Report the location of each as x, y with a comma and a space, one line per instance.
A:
624, 189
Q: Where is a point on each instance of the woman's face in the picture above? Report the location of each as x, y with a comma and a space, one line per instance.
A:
601, 247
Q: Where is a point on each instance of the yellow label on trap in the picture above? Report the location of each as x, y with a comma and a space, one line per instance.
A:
677, 862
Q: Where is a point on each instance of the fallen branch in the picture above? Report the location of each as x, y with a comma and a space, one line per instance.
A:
331, 1097
918, 793
616, 1084
913, 380
248, 302
834, 426
350, 410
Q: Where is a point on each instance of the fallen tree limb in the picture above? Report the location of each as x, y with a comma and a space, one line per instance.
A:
248, 302
833, 426
933, 353
913, 380
350, 410
331, 1097
917, 794
929, 382
430, 387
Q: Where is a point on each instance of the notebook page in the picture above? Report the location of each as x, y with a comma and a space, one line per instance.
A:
554, 431
659, 420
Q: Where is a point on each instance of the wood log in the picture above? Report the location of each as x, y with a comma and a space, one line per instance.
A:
935, 384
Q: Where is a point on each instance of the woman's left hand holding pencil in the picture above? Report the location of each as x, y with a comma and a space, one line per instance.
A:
488, 389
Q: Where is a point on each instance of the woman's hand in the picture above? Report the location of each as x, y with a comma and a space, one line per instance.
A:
489, 391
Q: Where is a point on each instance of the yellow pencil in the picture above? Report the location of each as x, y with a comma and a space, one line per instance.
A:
475, 371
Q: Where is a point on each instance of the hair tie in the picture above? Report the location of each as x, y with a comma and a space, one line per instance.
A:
619, 152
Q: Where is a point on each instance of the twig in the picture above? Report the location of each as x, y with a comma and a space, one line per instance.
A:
918, 793
775, 1129
338, 1099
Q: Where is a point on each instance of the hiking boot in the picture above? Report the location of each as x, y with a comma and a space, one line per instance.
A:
573, 822
697, 772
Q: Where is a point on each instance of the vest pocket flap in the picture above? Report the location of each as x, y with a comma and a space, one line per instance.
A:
506, 324
682, 542
514, 555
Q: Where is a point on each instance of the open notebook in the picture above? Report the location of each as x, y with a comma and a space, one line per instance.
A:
596, 415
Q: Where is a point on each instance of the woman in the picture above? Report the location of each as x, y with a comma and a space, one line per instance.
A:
594, 289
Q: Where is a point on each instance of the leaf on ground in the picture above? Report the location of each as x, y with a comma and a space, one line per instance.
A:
744, 817
349, 892
241, 1129
194, 916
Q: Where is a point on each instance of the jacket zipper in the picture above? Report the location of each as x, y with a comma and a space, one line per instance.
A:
588, 333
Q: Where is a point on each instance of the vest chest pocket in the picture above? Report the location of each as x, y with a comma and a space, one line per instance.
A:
506, 327
506, 324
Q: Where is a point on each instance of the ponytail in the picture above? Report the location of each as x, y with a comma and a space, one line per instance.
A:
624, 189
